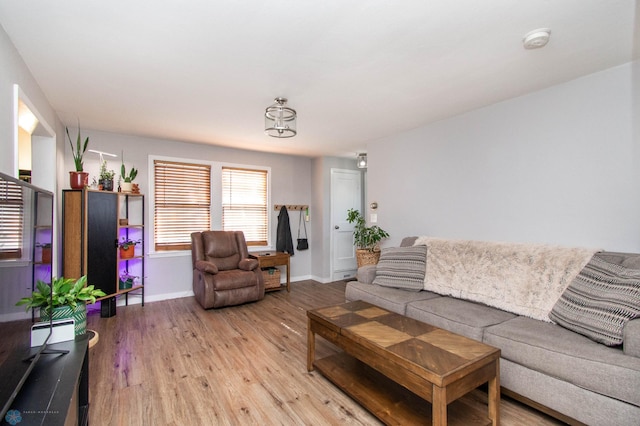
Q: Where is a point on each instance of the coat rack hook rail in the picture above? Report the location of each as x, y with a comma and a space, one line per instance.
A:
295, 207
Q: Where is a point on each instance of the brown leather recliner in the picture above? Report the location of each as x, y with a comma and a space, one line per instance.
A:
223, 273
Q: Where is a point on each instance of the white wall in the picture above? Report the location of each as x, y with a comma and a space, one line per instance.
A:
170, 275
15, 71
557, 166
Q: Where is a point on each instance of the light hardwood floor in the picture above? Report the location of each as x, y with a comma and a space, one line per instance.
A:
173, 363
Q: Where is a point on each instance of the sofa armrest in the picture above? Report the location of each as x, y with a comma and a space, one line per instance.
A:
204, 266
366, 274
631, 338
248, 264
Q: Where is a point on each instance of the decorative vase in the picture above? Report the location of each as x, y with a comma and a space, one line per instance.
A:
126, 186
127, 253
79, 314
78, 180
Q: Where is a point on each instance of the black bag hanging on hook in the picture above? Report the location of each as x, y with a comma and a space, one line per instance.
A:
303, 243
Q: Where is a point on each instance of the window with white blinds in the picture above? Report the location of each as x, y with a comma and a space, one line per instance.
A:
182, 203
244, 203
11, 220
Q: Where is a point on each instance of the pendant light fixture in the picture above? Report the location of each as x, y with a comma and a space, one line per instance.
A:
361, 161
280, 120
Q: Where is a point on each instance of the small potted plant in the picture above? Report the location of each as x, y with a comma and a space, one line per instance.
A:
127, 178
69, 300
127, 280
46, 252
127, 248
366, 239
78, 179
106, 177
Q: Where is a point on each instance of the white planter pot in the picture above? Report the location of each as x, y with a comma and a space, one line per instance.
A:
125, 186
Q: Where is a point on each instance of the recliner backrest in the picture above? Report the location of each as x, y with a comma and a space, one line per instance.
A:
225, 249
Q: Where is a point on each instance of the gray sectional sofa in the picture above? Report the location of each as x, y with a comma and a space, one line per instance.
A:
502, 294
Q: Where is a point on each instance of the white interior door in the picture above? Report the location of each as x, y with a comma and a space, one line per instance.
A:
346, 193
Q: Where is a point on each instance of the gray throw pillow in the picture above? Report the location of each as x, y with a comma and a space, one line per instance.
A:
402, 267
599, 301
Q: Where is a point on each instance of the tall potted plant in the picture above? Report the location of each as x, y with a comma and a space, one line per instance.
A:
78, 179
366, 239
69, 300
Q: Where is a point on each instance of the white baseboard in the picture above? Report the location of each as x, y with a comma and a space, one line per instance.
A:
136, 299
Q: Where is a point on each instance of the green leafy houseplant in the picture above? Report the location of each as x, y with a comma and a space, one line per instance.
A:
131, 176
365, 237
104, 173
123, 172
79, 150
66, 292
126, 243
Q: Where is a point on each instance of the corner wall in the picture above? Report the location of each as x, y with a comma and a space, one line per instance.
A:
558, 166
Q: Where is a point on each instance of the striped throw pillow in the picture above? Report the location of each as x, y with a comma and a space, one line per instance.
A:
402, 267
599, 301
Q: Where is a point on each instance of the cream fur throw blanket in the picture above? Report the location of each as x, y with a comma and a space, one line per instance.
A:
526, 279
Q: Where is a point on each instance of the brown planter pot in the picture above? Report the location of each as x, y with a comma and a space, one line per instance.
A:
78, 180
366, 257
127, 253
46, 255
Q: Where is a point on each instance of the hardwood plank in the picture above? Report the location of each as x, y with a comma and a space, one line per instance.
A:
238, 365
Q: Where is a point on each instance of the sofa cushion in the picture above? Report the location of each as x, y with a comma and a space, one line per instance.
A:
561, 353
366, 274
456, 315
392, 299
631, 337
402, 267
599, 301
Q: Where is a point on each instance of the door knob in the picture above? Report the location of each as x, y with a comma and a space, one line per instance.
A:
337, 227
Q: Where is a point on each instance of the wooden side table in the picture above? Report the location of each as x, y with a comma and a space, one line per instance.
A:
268, 259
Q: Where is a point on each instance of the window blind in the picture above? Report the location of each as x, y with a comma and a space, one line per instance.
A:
11, 220
244, 203
182, 203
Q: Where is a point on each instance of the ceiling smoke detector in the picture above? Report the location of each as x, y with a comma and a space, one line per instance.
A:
537, 38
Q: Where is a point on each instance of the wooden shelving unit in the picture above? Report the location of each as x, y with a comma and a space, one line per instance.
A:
93, 223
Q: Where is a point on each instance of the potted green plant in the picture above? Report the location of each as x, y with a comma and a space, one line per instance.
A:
127, 178
365, 238
46, 252
126, 281
127, 248
78, 179
106, 177
69, 300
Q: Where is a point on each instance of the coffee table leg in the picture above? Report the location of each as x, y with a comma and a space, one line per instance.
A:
494, 396
311, 346
439, 406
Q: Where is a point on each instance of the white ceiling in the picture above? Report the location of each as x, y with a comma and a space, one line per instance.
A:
205, 70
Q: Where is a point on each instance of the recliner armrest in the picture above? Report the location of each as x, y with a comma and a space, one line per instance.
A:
204, 266
248, 264
631, 338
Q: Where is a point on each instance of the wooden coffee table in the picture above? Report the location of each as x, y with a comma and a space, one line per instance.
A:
386, 355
